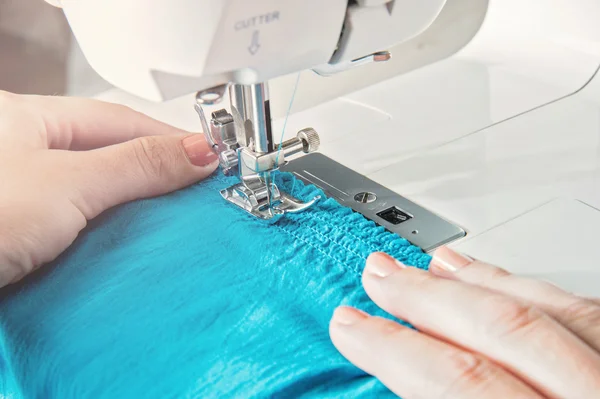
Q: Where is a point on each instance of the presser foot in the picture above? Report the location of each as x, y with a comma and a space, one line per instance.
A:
264, 207
243, 140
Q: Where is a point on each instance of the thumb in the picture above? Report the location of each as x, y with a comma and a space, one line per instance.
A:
140, 168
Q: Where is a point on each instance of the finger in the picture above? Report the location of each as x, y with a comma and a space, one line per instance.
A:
594, 300
414, 365
580, 315
141, 168
520, 337
17, 116
83, 124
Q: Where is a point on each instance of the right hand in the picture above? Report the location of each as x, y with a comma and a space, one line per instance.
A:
484, 333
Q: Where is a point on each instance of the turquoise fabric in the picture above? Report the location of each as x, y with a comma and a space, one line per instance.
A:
185, 296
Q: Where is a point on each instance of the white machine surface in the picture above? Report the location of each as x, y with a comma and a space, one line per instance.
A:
502, 138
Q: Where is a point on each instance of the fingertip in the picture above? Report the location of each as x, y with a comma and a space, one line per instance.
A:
348, 316
344, 330
210, 168
381, 265
375, 256
198, 150
446, 262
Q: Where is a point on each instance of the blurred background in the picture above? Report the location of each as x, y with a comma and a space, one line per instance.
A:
38, 53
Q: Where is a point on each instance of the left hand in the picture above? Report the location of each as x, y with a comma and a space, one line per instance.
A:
483, 332
63, 161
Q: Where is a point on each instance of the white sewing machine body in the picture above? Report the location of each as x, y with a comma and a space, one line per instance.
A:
172, 48
501, 138
234, 45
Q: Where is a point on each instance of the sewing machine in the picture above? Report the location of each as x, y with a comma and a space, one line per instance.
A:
236, 47
486, 113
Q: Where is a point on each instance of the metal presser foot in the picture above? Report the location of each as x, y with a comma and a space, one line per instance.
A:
243, 141
264, 203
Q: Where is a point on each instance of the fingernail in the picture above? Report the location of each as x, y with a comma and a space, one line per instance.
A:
447, 260
382, 265
347, 316
198, 150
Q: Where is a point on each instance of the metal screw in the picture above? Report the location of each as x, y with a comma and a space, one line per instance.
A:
365, 197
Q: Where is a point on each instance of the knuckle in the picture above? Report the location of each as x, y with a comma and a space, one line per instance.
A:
151, 156
123, 107
471, 374
384, 330
497, 273
469, 368
385, 327
127, 114
512, 317
132, 115
582, 314
422, 281
488, 275
113, 107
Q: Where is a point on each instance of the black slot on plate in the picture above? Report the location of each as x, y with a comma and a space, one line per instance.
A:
394, 215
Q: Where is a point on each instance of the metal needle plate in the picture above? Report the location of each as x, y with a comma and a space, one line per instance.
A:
385, 207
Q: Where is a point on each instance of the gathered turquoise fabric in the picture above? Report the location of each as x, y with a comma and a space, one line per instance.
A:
186, 296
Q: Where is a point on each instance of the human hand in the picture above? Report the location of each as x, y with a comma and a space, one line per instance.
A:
484, 333
63, 161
